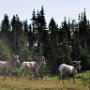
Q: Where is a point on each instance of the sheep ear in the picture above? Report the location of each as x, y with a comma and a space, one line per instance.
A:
74, 61
16, 56
43, 58
79, 61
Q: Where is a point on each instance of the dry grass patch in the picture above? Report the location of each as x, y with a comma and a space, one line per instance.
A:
50, 83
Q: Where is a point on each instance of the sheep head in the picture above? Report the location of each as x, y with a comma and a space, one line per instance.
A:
77, 65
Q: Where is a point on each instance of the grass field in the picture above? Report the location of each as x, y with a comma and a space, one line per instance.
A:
49, 83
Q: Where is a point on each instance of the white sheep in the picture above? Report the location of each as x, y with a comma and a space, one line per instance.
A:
7, 66
69, 70
31, 66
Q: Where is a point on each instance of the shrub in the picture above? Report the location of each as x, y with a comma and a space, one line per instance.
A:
5, 52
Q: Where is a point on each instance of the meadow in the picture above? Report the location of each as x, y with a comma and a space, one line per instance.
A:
48, 83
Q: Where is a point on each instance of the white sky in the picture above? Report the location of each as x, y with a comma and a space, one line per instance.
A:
53, 8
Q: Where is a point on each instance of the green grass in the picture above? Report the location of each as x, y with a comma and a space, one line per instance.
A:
49, 83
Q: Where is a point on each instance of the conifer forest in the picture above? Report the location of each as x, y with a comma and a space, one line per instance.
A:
59, 42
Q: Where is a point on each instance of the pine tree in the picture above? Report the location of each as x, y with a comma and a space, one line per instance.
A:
16, 33
5, 27
53, 56
84, 33
83, 28
66, 31
33, 34
65, 44
25, 27
42, 18
6, 30
39, 27
34, 25
30, 38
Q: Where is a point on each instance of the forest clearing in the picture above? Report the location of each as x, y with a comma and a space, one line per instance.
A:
42, 47
48, 83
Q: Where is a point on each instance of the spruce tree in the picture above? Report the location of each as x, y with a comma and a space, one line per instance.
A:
65, 45
5, 26
6, 30
53, 48
84, 33
25, 27
16, 33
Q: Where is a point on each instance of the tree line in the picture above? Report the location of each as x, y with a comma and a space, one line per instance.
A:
59, 44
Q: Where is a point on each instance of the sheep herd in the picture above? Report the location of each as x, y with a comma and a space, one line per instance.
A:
65, 70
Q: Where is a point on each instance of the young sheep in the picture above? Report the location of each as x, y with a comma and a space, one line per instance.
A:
68, 70
7, 66
32, 66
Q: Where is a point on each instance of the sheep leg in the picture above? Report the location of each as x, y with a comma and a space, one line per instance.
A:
5, 75
74, 80
25, 74
37, 73
19, 75
61, 78
10, 74
33, 75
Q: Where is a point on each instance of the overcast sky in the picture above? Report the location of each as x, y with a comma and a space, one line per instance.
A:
57, 9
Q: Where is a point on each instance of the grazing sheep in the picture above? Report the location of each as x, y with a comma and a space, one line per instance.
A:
7, 66
68, 70
32, 66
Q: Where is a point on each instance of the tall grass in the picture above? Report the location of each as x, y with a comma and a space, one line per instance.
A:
49, 83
